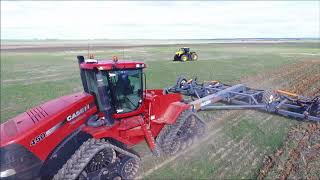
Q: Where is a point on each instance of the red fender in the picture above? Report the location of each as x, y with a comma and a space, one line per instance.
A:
172, 113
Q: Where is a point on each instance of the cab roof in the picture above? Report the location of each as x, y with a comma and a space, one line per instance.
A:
111, 65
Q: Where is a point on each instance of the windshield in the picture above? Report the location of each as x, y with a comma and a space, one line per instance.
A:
125, 88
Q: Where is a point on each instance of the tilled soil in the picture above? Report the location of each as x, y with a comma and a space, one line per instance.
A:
299, 158
226, 154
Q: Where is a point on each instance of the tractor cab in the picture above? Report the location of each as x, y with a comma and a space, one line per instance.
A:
116, 85
185, 49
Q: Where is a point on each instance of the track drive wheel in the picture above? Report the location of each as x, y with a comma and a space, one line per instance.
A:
184, 58
194, 56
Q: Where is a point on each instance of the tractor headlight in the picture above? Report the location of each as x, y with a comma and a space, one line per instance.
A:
7, 173
18, 163
139, 65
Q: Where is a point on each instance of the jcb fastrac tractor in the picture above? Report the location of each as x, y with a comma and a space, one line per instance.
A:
184, 54
89, 135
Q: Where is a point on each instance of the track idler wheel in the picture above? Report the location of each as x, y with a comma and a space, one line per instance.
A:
129, 168
101, 159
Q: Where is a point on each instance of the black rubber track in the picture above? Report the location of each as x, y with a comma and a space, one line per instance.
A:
79, 160
168, 135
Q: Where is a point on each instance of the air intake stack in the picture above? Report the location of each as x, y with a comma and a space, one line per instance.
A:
82, 74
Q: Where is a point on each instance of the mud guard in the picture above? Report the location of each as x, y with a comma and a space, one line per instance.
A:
172, 113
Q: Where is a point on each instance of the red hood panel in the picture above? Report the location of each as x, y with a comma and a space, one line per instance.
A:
33, 118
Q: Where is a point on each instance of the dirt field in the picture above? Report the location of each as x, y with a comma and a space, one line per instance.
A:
239, 144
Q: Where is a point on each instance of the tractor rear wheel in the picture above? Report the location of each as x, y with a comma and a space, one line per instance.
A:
129, 168
194, 56
184, 58
182, 134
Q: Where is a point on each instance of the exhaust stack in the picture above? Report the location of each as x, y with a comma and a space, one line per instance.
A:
104, 99
82, 74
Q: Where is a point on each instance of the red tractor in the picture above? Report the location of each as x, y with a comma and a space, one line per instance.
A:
90, 134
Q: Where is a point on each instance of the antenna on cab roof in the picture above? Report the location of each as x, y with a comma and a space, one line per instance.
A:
123, 53
89, 56
88, 50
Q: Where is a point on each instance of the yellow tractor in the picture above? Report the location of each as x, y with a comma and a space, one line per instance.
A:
184, 54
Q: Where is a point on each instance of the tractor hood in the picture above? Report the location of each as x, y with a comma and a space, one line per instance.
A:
40, 118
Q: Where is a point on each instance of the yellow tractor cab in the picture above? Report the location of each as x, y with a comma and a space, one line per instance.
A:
184, 54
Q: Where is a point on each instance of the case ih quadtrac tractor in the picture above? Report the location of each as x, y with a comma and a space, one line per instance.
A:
88, 135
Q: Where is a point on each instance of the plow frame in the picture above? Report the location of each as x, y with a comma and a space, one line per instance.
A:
213, 95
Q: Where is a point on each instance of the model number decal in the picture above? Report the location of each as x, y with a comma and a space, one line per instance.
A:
57, 126
78, 113
205, 103
38, 139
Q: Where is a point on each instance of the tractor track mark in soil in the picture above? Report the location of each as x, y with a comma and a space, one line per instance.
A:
221, 149
211, 124
220, 117
247, 156
194, 146
239, 148
251, 163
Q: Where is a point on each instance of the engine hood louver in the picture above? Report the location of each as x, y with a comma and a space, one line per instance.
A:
37, 113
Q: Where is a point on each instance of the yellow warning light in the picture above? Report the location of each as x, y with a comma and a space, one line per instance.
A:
115, 59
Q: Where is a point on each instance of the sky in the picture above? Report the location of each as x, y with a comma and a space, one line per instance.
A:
159, 19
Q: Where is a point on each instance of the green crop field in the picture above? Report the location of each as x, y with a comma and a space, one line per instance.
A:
236, 143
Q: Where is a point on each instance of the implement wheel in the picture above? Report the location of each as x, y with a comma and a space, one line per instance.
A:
129, 168
268, 96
